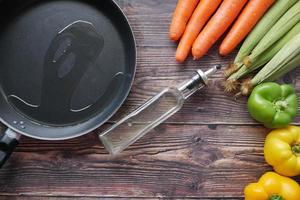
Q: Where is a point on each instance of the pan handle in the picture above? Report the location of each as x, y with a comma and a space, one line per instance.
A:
8, 143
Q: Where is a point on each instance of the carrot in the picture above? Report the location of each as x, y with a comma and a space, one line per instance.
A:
201, 15
250, 15
216, 26
182, 14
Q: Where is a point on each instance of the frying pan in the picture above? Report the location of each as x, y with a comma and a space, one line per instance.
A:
66, 66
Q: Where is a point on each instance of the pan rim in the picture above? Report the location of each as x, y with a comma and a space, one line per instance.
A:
97, 125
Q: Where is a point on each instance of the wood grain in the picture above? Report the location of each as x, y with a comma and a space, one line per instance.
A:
157, 71
205, 161
24, 197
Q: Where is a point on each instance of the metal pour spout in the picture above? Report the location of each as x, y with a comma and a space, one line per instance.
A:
197, 82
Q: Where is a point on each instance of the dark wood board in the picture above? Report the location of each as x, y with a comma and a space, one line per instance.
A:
171, 161
209, 150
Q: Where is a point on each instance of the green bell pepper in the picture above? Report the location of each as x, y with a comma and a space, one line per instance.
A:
272, 104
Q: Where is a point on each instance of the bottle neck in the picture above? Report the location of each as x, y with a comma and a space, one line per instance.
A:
191, 86
197, 82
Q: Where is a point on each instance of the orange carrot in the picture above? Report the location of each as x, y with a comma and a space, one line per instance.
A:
251, 14
201, 15
182, 14
216, 26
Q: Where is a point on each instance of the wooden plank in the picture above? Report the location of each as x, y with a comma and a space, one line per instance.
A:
171, 161
22, 197
206, 151
149, 20
25, 197
156, 70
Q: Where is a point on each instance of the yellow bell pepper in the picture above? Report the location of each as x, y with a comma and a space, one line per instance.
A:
282, 150
272, 186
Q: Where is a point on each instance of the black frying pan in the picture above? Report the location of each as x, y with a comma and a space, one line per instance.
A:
66, 66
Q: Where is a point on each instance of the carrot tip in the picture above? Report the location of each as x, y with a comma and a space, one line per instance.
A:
246, 87
223, 52
196, 56
180, 60
173, 39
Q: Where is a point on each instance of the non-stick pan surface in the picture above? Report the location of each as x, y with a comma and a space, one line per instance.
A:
65, 65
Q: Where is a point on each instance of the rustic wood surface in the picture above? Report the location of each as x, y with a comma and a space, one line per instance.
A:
209, 150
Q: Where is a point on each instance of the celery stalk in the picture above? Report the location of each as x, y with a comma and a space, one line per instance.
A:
262, 27
288, 67
279, 64
268, 55
282, 26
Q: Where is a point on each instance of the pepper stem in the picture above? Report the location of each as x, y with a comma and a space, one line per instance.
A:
296, 149
281, 105
276, 197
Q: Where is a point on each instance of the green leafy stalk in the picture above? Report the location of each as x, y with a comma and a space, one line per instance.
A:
281, 27
285, 60
288, 67
268, 55
261, 28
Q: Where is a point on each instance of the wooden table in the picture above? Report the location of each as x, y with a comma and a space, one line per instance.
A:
209, 150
